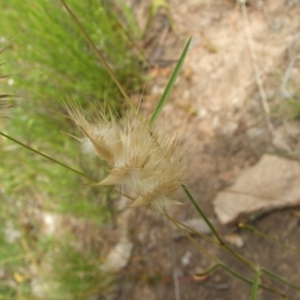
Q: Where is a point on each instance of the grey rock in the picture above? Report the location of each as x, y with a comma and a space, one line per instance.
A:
273, 183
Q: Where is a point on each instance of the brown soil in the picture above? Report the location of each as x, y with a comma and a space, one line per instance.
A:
216, 106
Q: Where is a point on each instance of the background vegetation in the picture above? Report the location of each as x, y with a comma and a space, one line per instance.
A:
48, 60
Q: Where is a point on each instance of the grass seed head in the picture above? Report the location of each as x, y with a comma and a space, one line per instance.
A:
146, 162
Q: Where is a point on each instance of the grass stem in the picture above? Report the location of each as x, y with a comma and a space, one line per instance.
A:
47, 157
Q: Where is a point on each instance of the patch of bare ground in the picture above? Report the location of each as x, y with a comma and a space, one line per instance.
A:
223, 103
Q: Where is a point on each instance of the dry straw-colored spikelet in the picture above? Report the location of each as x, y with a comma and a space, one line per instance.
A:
145, 162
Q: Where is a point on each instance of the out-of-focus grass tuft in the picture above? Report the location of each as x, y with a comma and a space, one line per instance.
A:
79, 276
52, 58
48, 59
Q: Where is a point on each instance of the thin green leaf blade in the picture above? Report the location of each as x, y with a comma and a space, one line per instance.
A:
170, 85
255, 285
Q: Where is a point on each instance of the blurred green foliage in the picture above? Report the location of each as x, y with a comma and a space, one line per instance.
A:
48, 61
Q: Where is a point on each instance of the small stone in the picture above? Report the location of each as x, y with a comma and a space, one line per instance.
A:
197, 224
229, 129
235, 240
186, 258
194, 226
119, 256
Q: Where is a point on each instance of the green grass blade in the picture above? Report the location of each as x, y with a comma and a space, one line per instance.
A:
170, 85
255, 285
